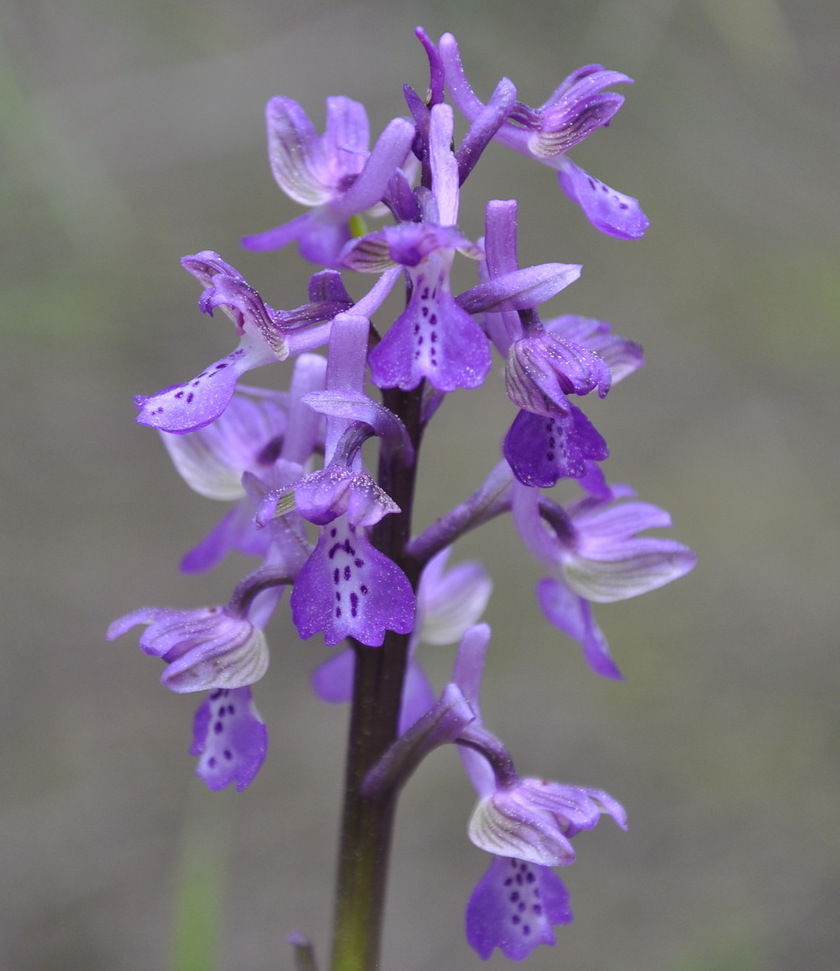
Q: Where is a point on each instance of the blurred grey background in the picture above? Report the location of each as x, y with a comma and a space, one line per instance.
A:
132, 134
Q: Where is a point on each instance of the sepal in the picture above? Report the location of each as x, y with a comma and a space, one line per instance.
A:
609, 562
204, 649
534, 820
542, 369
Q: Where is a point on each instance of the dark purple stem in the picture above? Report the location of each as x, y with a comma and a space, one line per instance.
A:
367, 823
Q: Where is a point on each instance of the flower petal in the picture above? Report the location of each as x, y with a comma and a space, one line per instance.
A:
433, 338
573, 615
229, 738
608, 210
347, 588
513, 908
543, 449
188, 407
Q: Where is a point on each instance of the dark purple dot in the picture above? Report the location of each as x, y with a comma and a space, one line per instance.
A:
218, 728
347, 573
526, 929
228, 754
211, 762
179, 394
516, 919
190, 397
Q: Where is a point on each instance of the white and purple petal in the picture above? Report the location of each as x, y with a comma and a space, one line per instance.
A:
542, 369
623, 357
450, 601
204, 648
247, 436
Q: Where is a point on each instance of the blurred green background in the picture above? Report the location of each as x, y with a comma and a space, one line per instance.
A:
132, 134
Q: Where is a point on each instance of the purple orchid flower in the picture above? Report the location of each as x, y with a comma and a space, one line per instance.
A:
348, 588
575, 109
527, 825
544, 443
550, 438
595, 555
265, 337
333, 173
223, 650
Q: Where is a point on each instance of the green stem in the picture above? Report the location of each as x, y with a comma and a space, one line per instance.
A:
367, 824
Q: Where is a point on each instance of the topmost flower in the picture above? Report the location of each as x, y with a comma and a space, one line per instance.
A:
575, 109
333, 173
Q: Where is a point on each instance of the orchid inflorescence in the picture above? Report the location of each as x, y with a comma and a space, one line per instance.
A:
289, 464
